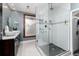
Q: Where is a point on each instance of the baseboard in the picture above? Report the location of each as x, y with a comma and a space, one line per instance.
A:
30, 36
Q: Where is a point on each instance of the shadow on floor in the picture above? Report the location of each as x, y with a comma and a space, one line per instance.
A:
76, 53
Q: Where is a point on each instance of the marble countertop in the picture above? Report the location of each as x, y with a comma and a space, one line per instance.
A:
11, 36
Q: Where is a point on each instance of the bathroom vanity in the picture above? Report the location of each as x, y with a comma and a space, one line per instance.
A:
11, 43
0, 29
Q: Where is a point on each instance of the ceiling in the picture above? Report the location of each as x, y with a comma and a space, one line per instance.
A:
32, 6
24, 7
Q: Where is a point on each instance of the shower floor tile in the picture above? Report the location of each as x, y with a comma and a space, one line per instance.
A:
52, 50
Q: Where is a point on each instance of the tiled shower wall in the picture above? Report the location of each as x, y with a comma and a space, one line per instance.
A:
59, 33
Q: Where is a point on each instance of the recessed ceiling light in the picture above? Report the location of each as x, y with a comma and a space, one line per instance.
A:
12, 4
5, 7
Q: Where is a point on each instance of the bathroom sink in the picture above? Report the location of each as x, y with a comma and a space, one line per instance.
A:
11, 33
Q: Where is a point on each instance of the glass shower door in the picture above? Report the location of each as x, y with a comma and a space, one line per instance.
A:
43, 36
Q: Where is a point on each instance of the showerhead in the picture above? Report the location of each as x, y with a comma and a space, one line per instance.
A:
27, 6
50, 5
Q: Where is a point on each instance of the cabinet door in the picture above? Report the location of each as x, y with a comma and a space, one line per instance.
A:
0, 47
0, 29
8, 47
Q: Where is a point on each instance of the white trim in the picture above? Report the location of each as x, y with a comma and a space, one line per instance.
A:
71, 38
75, 10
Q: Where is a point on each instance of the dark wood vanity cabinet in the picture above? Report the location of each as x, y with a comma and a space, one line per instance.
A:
0, 47
8, 47
0, 29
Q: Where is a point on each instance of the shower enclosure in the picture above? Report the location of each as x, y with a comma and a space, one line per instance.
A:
52, 26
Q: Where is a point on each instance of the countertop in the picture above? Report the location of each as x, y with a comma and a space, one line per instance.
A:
11, 36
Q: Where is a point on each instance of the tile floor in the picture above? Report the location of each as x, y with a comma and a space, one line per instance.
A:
28, 48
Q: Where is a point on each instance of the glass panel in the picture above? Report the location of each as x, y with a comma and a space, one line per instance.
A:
42, 38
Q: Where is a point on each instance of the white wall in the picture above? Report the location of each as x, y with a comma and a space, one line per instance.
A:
59, 33
6, 13
16, 16
74, 6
